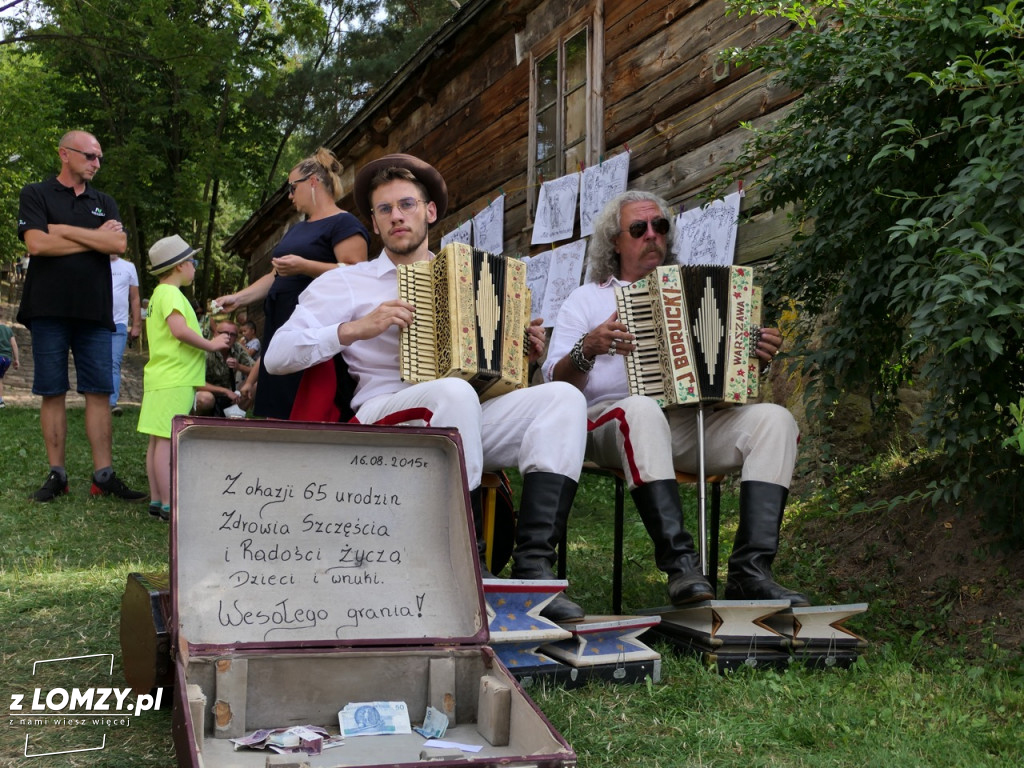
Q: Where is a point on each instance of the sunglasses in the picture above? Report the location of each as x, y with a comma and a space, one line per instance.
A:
292, 184
194, 263
638, 229
89, 156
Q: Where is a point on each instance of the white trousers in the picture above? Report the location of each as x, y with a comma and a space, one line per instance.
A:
537, 429
650, 444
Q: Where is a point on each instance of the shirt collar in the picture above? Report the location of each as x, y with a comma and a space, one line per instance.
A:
613, 282
87, 192
386, 265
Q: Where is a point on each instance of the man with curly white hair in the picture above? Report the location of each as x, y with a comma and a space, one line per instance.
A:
632, 236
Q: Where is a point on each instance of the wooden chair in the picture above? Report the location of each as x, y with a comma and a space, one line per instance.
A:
683, 478
499, 519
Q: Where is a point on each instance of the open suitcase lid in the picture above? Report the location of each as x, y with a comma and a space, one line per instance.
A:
289, 535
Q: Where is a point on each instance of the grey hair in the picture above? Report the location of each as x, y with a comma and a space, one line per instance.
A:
602, 258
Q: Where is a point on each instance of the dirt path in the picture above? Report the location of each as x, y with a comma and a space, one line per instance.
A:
18, 383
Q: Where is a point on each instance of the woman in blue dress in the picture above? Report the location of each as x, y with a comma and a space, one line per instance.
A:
328, 238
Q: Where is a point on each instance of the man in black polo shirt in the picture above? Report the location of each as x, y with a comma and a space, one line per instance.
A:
70, 229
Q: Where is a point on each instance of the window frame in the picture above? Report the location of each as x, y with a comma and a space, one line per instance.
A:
589, 21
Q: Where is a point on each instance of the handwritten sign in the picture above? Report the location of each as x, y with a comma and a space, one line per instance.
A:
325, 535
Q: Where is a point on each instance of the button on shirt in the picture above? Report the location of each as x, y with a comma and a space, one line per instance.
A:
586, 308
311, 334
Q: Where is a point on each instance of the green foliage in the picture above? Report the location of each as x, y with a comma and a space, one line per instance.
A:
1016, 440
26, 108
904, 160
201, 107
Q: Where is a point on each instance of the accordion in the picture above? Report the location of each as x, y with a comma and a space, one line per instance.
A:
696, 330
472, 313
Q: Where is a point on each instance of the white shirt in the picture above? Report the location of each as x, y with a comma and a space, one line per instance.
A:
311, 334
586, 308
122, 275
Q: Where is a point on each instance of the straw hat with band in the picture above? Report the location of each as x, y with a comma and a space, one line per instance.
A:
425, 174
168, 251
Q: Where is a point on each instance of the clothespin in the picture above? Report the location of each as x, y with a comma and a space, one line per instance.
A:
739, 187
626, 146
600, 160
501, 191
582, 166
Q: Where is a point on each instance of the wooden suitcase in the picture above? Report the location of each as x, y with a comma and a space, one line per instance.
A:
317, 565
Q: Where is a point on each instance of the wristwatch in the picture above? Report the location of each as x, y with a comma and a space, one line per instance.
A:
579, 362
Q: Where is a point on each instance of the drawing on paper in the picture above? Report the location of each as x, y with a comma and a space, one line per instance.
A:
461, 234
488, 227
708, 235
556, 209
599, 185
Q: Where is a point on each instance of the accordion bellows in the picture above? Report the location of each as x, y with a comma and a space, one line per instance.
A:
472, 312
696, 329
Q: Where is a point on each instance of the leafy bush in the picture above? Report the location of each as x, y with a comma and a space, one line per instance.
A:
904, 161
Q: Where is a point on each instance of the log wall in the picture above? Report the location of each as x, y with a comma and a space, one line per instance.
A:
463, 103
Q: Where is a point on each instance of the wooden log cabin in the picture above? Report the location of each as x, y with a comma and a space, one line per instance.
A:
508, 92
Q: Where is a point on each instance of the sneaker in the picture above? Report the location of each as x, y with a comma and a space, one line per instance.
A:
114, 487
116, 410
52, 488
3, 404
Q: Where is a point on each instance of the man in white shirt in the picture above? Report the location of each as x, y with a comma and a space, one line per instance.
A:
355, 311
125, 287
631, 238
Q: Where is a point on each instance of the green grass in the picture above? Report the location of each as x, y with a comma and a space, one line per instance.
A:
907, 702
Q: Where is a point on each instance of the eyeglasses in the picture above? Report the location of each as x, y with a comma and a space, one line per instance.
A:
638, 229
89, 156
194, 263
229, 333
405, 205
292, 184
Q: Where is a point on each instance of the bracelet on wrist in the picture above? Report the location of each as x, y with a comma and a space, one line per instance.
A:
577, 358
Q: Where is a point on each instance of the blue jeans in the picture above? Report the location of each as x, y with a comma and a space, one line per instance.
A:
118, 341
52, 339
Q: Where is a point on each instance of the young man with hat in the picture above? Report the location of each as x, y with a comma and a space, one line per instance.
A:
70, 229
177, 363
356, 312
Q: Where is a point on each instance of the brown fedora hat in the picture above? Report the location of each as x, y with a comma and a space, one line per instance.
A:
424, 172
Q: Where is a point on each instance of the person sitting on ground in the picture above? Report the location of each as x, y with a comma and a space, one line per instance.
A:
252, 342
221, 390
631, 238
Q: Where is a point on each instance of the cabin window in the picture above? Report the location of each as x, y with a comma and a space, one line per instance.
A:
560, 128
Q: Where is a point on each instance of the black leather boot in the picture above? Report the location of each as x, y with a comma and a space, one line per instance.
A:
543, 514
757, 541
674, 553
476, 498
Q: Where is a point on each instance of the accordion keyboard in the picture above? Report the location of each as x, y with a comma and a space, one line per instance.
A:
418, 340
692, 328
644, 368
